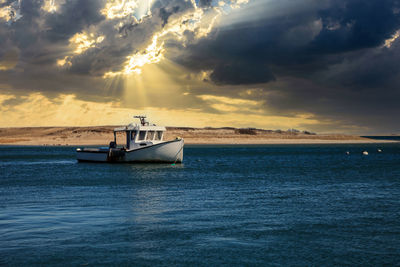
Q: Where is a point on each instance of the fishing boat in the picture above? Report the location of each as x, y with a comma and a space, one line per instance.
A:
144, 143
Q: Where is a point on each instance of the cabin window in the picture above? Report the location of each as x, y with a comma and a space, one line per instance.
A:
159, 135
133, 135
150, 135
142, 135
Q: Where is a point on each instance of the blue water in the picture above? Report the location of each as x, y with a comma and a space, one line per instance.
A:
302, 205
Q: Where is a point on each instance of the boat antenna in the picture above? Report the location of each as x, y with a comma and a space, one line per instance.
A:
143, 120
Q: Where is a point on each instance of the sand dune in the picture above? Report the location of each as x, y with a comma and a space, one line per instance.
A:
102, 135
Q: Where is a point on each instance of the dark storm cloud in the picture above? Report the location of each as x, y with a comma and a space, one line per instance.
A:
42, 38
307, 56
362, 24
204, 3
133, 37
73, 17
165, 14
166, 9
232, 73
325, 57
298, 42
38, 34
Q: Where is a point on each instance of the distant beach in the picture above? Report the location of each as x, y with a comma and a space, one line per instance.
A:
102, 135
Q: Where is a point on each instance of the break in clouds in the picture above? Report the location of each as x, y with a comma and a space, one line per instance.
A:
335, 59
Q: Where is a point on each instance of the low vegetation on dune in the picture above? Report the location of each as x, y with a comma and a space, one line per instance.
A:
101, 135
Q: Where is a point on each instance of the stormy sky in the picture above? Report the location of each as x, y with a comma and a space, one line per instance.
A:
320, 65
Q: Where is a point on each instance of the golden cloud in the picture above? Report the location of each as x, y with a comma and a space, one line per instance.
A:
65, 110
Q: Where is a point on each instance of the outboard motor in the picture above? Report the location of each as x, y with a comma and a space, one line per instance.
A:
113, 144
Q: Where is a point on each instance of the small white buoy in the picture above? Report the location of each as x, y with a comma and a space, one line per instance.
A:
347, 153
379, 150
365, 153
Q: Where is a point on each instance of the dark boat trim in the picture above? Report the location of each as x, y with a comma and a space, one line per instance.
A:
92, 161
127, 162
82, 151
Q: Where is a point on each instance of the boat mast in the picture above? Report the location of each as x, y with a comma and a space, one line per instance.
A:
143, 120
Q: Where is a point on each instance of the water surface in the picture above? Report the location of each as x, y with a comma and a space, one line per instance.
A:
226, 205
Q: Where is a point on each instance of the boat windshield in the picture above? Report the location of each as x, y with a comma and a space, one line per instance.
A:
159, 135
142, 135
150, 135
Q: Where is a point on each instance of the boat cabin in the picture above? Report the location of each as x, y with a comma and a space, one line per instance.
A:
140, 135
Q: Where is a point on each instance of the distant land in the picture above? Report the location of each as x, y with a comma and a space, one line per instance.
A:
102, 135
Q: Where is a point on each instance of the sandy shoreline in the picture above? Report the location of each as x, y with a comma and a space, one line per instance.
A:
102, 135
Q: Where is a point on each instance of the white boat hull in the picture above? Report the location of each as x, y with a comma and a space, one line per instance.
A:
170, 151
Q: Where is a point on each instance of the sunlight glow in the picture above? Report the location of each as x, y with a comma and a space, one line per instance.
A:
154, 52
66, 110
119, 8
239, 3
389, 42
83, 41
49, 6
80, 42
197, 21
5, 13
11, 12
228, 104
66, 61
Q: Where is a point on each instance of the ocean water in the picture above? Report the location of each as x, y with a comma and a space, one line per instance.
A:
272, 205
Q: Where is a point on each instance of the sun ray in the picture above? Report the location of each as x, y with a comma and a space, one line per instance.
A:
135, 91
